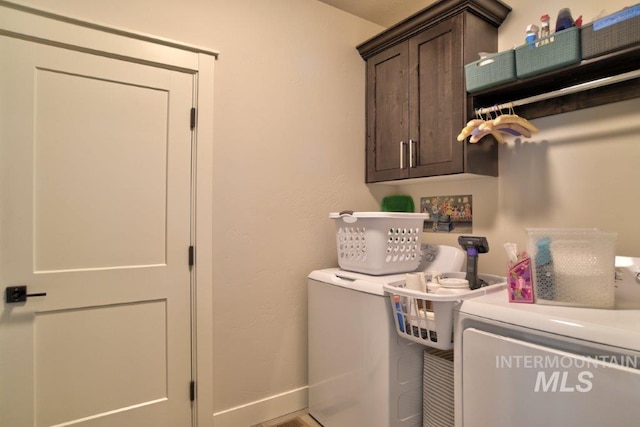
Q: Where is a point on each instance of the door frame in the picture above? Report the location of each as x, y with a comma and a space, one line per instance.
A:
46, 27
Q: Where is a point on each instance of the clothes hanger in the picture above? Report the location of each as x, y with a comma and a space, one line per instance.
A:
472, 125
481, 131
509, 126
510, 123
472, 128
513, 118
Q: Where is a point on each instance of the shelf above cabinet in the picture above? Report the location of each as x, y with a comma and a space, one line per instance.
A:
586, 71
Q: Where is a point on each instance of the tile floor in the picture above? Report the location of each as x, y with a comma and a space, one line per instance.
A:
282, 421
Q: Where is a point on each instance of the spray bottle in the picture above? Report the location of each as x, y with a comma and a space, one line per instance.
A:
545, 277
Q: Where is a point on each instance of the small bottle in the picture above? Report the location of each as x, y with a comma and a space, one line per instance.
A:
565, 20
545, 277
432, 287
396, 301
531, 36
544, 29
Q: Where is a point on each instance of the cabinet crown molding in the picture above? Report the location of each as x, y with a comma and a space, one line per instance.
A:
492, 11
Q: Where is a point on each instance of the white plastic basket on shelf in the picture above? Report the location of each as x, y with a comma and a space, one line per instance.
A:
573, 267
378, 243
427, 318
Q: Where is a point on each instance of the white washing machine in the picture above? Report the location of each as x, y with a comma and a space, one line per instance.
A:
361, 372
531, 365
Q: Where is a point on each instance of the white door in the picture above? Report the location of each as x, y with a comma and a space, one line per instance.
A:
95, 211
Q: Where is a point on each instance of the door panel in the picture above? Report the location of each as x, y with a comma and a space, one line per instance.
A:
95, 211
128, 220
437, 99
388, 114
81, 357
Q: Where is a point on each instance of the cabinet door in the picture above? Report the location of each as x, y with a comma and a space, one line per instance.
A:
388, 114
437, 99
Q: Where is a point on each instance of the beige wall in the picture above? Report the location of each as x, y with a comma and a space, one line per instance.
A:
289, 149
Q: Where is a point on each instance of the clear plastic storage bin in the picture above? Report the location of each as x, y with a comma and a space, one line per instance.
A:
573, 266
378, 243
427, 318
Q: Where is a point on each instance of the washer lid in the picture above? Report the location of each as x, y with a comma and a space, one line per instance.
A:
616, 327
356, 281
440, 258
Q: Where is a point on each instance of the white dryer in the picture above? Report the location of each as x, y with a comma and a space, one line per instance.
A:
361, 372
531, 365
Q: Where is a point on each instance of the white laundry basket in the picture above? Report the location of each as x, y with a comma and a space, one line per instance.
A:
378, 243
427, 318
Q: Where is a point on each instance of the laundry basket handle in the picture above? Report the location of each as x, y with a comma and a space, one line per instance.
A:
347, 216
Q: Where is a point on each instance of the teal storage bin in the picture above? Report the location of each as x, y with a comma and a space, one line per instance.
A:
613, 32
548, 53
491, 71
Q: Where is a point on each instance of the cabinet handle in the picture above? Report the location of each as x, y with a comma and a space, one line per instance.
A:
402, 143
412, 145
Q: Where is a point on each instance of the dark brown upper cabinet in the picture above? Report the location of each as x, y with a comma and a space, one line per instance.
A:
416, 98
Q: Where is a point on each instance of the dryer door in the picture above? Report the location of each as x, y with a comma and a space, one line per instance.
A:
509, 382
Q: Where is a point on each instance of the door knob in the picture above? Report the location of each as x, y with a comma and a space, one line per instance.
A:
15, 294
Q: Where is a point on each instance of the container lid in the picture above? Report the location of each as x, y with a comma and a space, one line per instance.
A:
454, 283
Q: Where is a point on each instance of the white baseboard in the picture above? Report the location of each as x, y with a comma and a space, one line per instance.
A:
263, 410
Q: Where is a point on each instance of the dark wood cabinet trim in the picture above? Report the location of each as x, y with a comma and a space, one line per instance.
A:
493, 11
